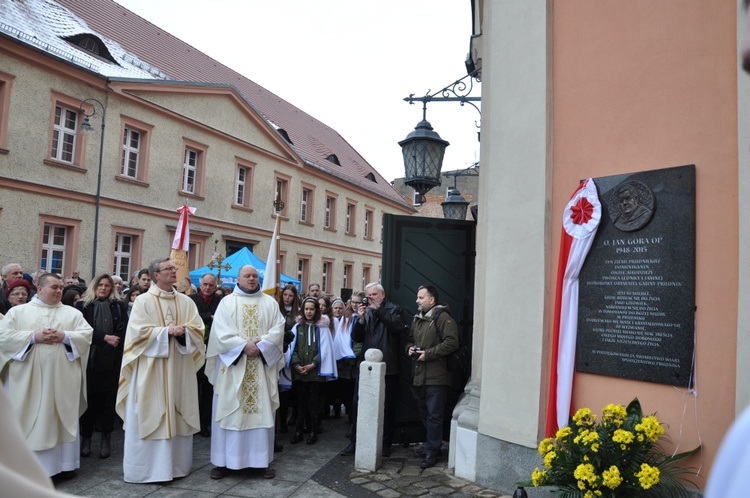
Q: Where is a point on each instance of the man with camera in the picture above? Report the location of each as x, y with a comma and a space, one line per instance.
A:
379, 324
432, 337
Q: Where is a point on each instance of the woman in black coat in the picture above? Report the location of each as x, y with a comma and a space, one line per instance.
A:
109, 318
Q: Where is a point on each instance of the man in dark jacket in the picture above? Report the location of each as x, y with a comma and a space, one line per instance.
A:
433, 336
206, 301
379, 325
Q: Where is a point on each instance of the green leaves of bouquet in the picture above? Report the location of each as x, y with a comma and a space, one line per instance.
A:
619, 457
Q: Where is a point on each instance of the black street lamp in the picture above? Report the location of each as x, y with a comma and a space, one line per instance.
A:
87, 128
454, 205
423, 149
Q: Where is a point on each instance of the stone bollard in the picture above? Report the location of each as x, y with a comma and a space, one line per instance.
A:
369, 451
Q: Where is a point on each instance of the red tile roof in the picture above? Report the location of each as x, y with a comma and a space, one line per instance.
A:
312, 139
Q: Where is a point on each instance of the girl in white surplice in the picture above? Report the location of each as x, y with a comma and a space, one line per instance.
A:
312, 361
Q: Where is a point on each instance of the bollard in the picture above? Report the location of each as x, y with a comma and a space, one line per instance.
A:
520, 493
368, 454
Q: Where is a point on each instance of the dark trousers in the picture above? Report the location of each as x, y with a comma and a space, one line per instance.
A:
431, 405
205, 398
389, 409
101, 405
307, 402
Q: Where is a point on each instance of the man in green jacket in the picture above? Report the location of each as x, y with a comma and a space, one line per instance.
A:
433, 336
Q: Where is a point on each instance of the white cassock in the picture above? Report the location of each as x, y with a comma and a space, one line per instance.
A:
158, 393
246, 393
46, 383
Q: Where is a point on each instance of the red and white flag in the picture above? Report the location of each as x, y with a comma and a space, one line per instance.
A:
580, 222
180, 248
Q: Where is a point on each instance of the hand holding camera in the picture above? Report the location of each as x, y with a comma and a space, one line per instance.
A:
416, 352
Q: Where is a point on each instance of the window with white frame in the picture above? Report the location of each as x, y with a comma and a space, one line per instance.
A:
240, 185
330, 221
303, 270
123, 257
54, 240
365, 275
368, 223
131, 149
189, 170
304, 205
282, 189
351, 212
347, 276
325, 280
64, 133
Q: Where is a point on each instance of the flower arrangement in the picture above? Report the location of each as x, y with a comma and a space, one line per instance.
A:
617, 458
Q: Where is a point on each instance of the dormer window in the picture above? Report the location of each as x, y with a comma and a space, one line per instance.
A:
334, 159
91, 44
284, 134
371, 177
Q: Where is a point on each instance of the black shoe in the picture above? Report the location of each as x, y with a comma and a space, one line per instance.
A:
219, 472
106, 447
297, 438
430, 459
420, 452
277, 448
269, 473
86, 447
349, 450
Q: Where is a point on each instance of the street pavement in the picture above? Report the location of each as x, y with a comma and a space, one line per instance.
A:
301, 471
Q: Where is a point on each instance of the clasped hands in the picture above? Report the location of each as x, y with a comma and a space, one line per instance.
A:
304, 370
251, 348
49, 335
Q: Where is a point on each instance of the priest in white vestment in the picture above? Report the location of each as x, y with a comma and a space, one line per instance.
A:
157, 396
44, 348
243, 360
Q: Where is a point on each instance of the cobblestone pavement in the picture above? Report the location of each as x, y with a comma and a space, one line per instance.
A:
302, 470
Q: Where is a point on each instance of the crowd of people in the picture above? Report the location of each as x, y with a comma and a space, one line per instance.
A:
234, 365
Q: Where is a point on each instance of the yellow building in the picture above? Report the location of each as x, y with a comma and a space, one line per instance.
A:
172, 126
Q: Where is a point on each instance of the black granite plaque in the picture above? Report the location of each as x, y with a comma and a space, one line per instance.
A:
637, 286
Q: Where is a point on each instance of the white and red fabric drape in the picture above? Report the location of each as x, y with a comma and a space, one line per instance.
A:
580, 222
182, 233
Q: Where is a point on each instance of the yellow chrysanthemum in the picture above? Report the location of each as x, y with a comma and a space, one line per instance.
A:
584, 418
549, 458
623, 437
648, 476
611, 477
585, 473
538, 477
650, 428
546, 445
614, 414
563, 433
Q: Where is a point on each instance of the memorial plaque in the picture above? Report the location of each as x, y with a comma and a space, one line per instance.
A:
636, 303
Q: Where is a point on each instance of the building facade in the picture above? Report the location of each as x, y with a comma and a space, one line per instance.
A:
573, 90
218, 142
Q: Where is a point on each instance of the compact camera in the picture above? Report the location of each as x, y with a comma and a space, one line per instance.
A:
417, 352
365, 302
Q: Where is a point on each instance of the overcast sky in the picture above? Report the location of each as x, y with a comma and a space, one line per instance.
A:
348, 63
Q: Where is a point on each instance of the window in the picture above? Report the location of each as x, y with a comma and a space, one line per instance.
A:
66, 144
369, 217
330, 221
64, 133
303, 270
189, 170
58, 241
53, 248
193, 168
348, 273
6, 82
282, 189
365, 275
306, 205
327, 279
351, 215
135, 148
243, 184
126, 254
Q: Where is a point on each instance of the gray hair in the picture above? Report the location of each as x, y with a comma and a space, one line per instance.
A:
155, 266
7, 268
377, 285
